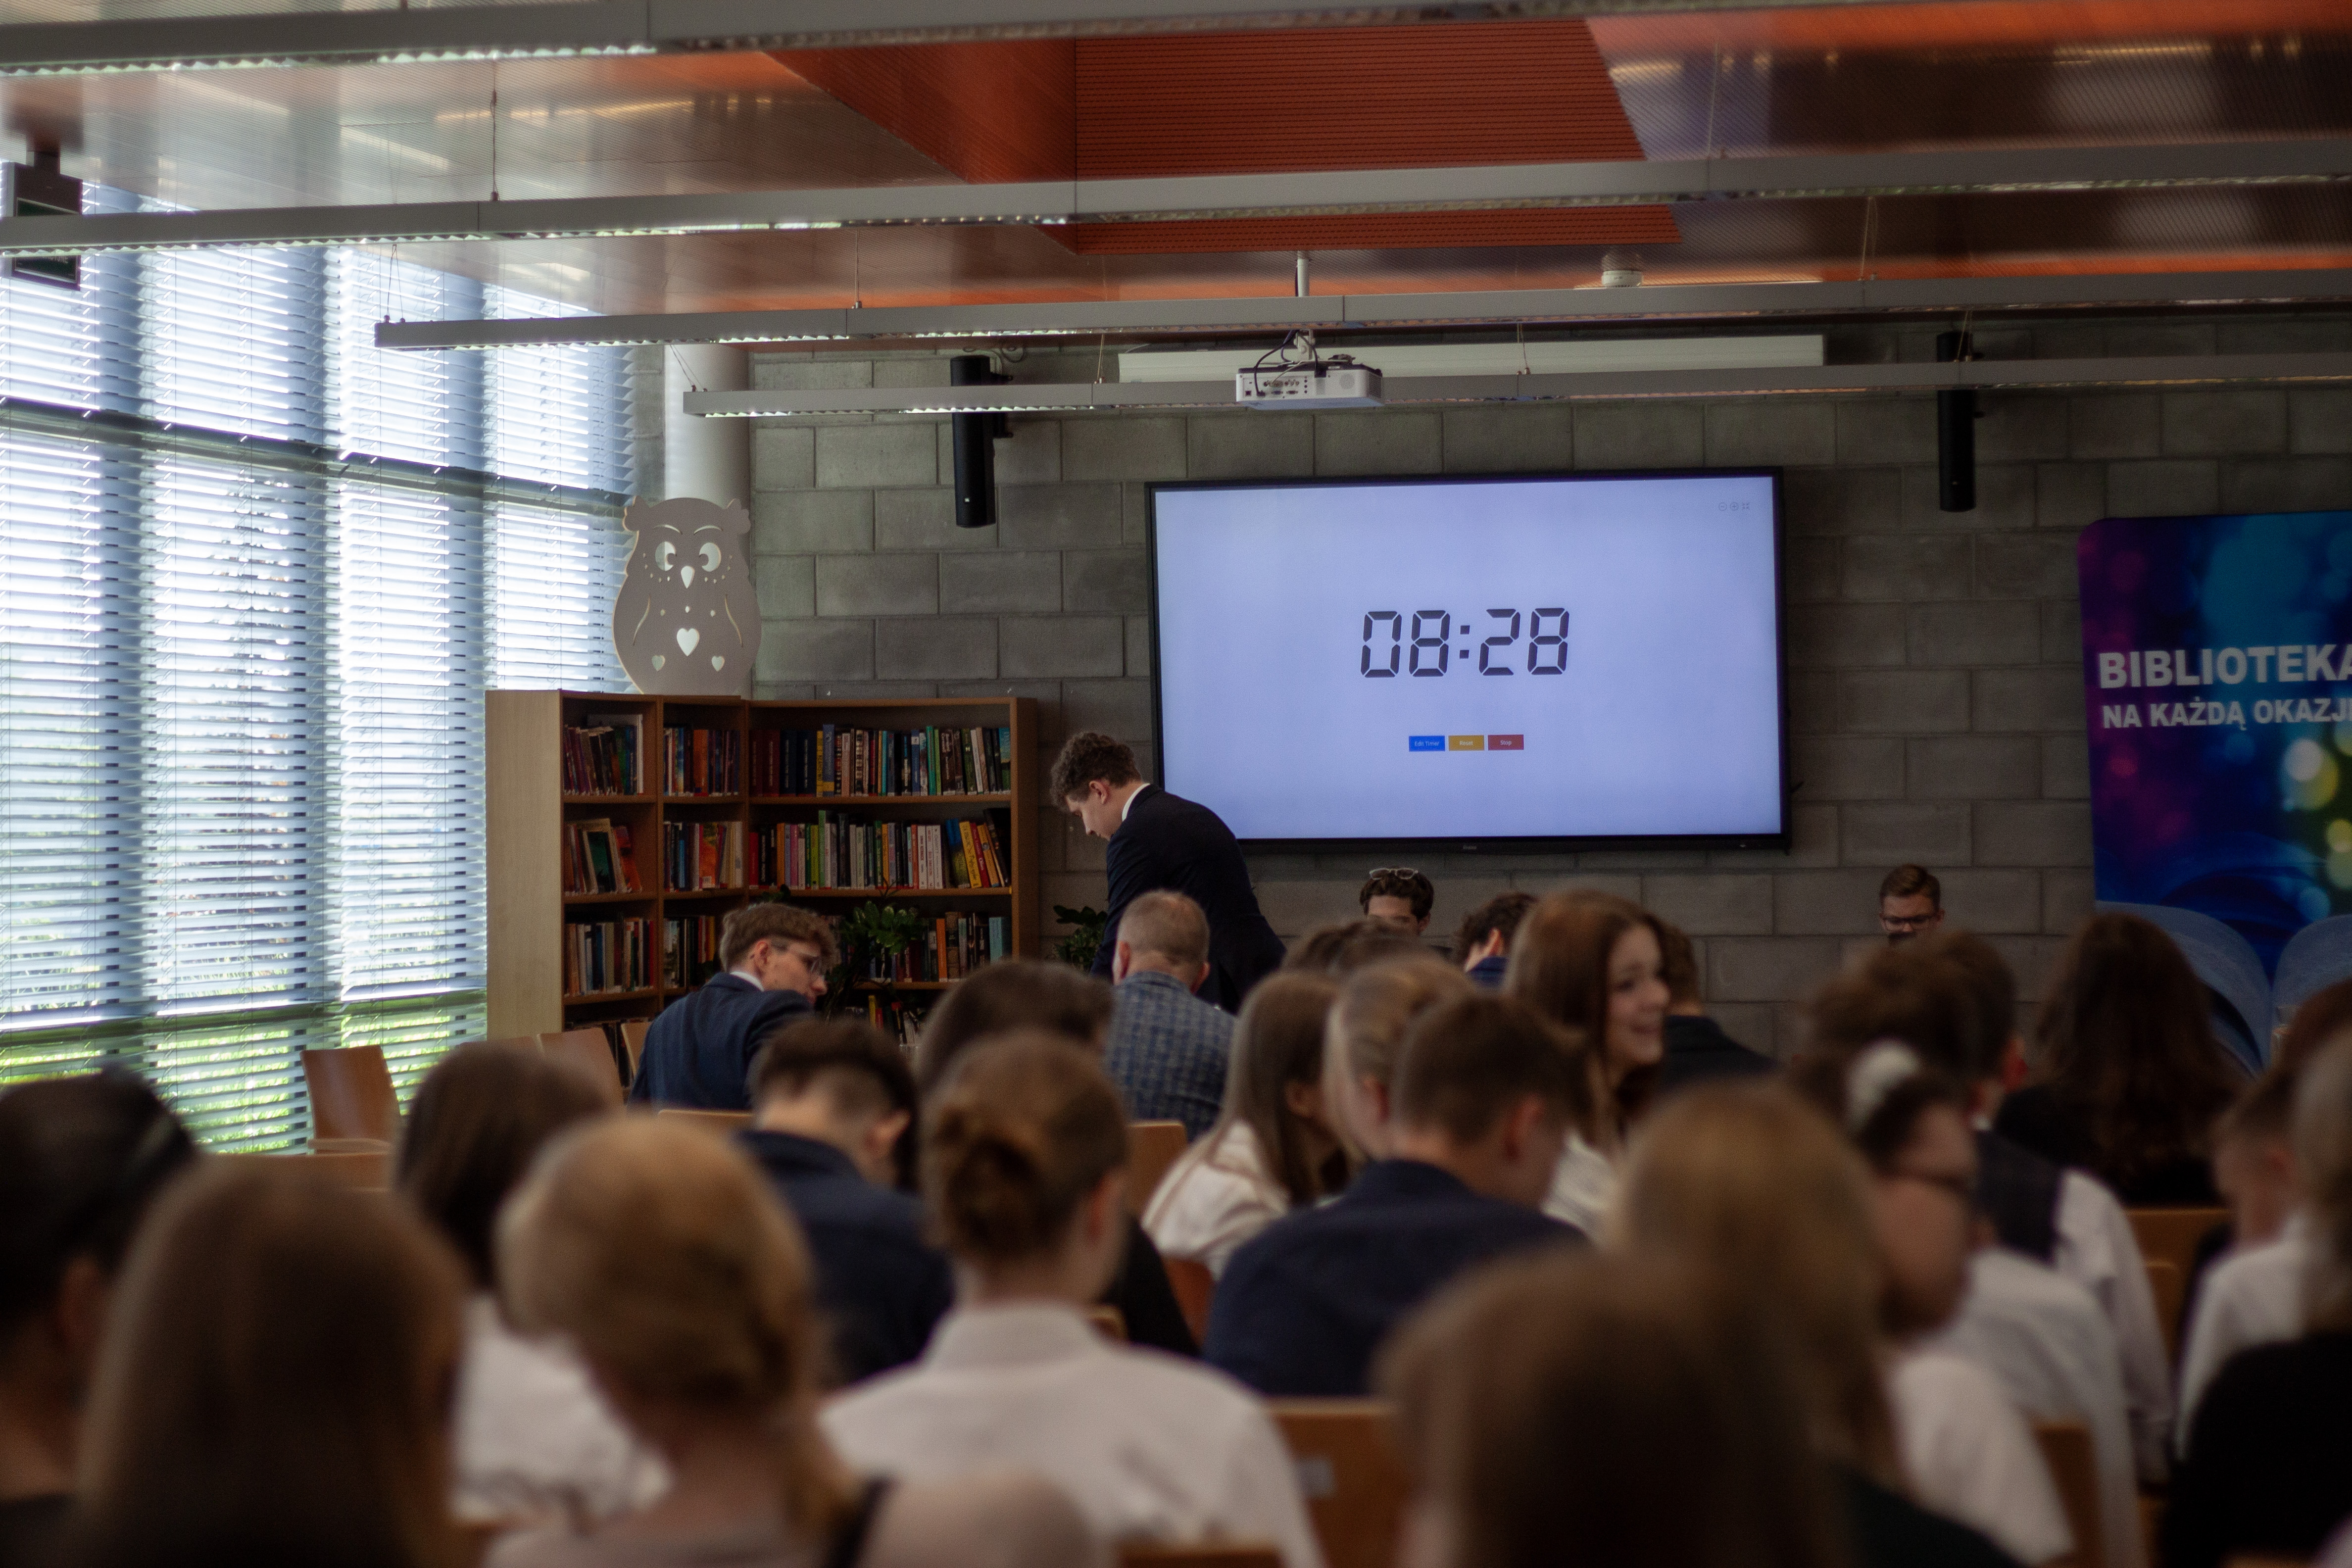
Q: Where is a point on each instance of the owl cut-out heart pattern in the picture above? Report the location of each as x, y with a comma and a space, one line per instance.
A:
686, 621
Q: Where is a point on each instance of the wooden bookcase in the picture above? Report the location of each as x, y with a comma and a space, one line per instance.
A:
528, 816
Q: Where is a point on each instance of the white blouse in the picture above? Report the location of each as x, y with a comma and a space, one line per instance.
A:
1581, 1185
533, 1438
1152, 1448
1216, 1197
1970, 1456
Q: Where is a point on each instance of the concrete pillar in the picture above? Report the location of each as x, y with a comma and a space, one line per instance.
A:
708, 459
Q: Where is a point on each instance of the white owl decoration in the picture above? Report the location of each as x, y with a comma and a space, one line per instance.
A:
685, 622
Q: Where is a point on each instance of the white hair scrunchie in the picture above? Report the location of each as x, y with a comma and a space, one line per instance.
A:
1873, 1076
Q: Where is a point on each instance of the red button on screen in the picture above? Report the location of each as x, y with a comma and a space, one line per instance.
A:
1507, 742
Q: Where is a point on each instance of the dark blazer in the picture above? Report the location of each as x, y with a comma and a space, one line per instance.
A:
698, 1052
2268, 1467
1303, 1307
881, 1285
1697, 1050
1168, 841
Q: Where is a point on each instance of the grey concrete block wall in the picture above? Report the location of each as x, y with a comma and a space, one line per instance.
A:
1935, 702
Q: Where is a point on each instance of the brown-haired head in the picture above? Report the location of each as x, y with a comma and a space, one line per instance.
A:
1363, 1035
2318, 1018
1916, 994
1414, 887
1498, 916
475, 1124
1167, 927
1279, 1046
1627, 1404
1754, 1182
774, 925
1678, 962
1909, 882
1012, 993
2125, 1041
1469, 1061
318, 1326
1023, 1130
1559, 966
861, 1070
663, 1255
1085, 757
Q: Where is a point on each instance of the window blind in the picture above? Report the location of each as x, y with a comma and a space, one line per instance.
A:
255, 575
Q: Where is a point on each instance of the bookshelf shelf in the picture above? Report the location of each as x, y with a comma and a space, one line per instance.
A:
530, 817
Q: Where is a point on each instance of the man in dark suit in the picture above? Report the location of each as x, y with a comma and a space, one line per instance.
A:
1698, 1050
698, 1052
1160, 840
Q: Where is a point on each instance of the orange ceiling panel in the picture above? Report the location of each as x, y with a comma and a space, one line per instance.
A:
994, 112
1378, 231
1971, 24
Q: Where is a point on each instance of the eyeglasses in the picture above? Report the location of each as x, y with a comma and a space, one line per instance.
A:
1402, 873
1907, 922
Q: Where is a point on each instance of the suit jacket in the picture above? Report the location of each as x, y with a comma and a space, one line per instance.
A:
698, 1052
1168, 841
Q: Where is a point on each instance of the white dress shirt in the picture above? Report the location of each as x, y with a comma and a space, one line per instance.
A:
1581, 1185
1151, 1448
1970, 1456
2098, 1251
2253, 1296
534, 1439
1217, 1196
2048, 1345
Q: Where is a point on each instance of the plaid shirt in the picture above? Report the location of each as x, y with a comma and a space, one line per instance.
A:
1167, 1051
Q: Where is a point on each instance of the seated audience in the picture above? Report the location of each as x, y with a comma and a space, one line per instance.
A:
1591, 962
1025, 1166
2252, 1294
1966, 1448
80, 1159
1361, 1040
1623, 1410
661, 1254
1341, 950
1273, 1149
1484, 1096
1951, 998
2127, 1079
533, 1438
1167, 1047
1482, 943
1025, 994
1399, 897
2268, 1469
1751, 1181
1910, 903
698, 1052
274, 1386
1696, 1047
831, 1105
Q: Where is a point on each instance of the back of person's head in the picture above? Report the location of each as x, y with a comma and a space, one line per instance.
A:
1623, 1403
776, 924
1498, 916
2323, 1156
2318, 1018
275, 1389
1367, 1026
1992, 1001
1756, 1183
662, 1254
2125, 1038
81, 1159
1012, 993
474, 1126
1278, 1044
1677, 963
1911, 993
1022, 1133
1165, 927
1381, 943
859, 1071
1467, 1063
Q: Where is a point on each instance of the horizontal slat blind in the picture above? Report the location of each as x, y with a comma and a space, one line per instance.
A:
240, 699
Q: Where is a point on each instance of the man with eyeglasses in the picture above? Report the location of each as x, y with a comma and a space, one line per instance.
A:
1398, 896
1910, 903
698, 1052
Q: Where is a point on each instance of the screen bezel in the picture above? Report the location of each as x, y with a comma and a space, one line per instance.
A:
1490, 844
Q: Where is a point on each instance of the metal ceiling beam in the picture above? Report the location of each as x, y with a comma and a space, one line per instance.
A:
2157, 370
1483, 188
1663, 301
673, 26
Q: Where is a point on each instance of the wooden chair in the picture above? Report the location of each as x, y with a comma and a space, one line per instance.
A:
1151, 1148
1352, 1473
2170, 1236
594, 1053
725, 1123
632, 1040
1141, 1556
2074, 1472
2170, 1289
367, 1168
1109, 1322
351, 1094
1190, 1279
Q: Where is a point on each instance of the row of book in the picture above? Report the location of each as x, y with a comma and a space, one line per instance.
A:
605, 755
601, 858
832, 853
839, 760
689, 950
702, 761
607, 955
699, 854
952, 946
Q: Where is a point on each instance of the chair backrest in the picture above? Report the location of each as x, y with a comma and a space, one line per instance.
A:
632, 1040
723, 1123
1109, 1322
2170, 1236
366, 1169
1352, 1473
1151, 1148
351, 1094
2074, 1472
1190, 1279
2170, 1287
1141, 1556
594, 1053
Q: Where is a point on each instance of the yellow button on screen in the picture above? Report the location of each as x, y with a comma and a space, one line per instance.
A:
1465, 743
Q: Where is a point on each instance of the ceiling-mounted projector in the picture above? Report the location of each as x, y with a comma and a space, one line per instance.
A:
1297, 377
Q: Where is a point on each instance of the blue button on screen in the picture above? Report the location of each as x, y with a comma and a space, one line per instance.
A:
1428, 742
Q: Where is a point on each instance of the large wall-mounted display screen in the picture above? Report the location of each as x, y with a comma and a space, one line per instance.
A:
1473, 661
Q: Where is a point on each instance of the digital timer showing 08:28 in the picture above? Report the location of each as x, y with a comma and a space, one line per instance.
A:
1387, 653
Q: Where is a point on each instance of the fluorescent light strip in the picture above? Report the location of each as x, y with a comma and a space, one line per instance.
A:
2162, 370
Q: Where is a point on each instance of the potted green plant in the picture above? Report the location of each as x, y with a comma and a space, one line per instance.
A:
1086, 937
